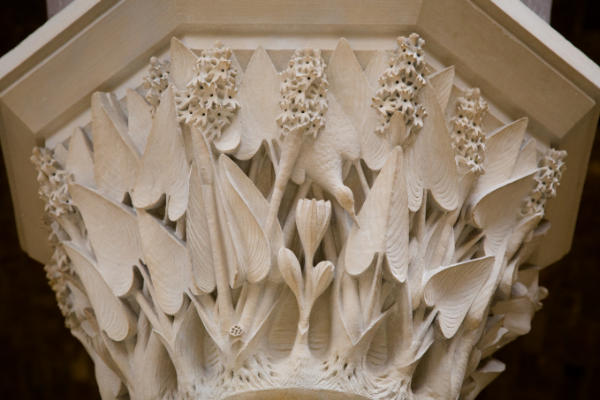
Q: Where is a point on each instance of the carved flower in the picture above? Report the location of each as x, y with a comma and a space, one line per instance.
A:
304, 93
53, 182
400, 84
468, 139
312, 220
156, 82
547, 180
208, 101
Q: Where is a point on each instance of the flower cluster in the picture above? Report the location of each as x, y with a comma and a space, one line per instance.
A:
468, 139
400, 84
56, 271
208, 101
54, 186
54, 183
304, 93
547, 180
156, 82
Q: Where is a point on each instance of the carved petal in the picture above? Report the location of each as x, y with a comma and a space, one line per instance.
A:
198, 237
183, 61
452, 290
383, 221
113, 234
442, 81
164, 167
259, 100
115, 158
322, 276
290, 271
377, 64
112, 315
80, 160
168, 262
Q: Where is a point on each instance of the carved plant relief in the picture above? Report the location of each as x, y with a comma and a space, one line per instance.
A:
349, 231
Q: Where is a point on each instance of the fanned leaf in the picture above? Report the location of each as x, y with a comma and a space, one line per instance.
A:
527, 159
112, 315
452, 290
183, 61
442, 81
164, 166
80, 161
113, 235
139, 119
351, 89
431, 158
248, 212
496, 221
259, 99
383, 221
502, 149
168, 262
115, 157
198, 237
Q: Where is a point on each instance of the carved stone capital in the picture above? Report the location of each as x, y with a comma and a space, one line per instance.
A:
255, 221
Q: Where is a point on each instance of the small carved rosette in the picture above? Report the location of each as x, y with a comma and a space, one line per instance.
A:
229, 231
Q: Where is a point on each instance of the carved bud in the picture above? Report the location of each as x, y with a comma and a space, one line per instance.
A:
468, 139
400, 84
291, 271
156, 82
312, 220
547, 179
208, 101
303, 93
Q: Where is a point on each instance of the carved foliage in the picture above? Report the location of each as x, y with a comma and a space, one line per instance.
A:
346, 238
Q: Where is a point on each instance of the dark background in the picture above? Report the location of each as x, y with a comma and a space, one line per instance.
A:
559, 359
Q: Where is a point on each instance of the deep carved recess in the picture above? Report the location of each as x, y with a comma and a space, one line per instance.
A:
322, 231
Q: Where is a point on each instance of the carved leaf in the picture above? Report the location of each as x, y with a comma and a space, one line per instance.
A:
527, 159
115, 158
259, 99
139, 119
383, 223
443, 81
198, 237
80, 161
351, 89
502, 150
168, 262
452, 290
112, 315
481, 378
248, 207
113, 234
183, 60
497, 213
430, 159
164, 166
